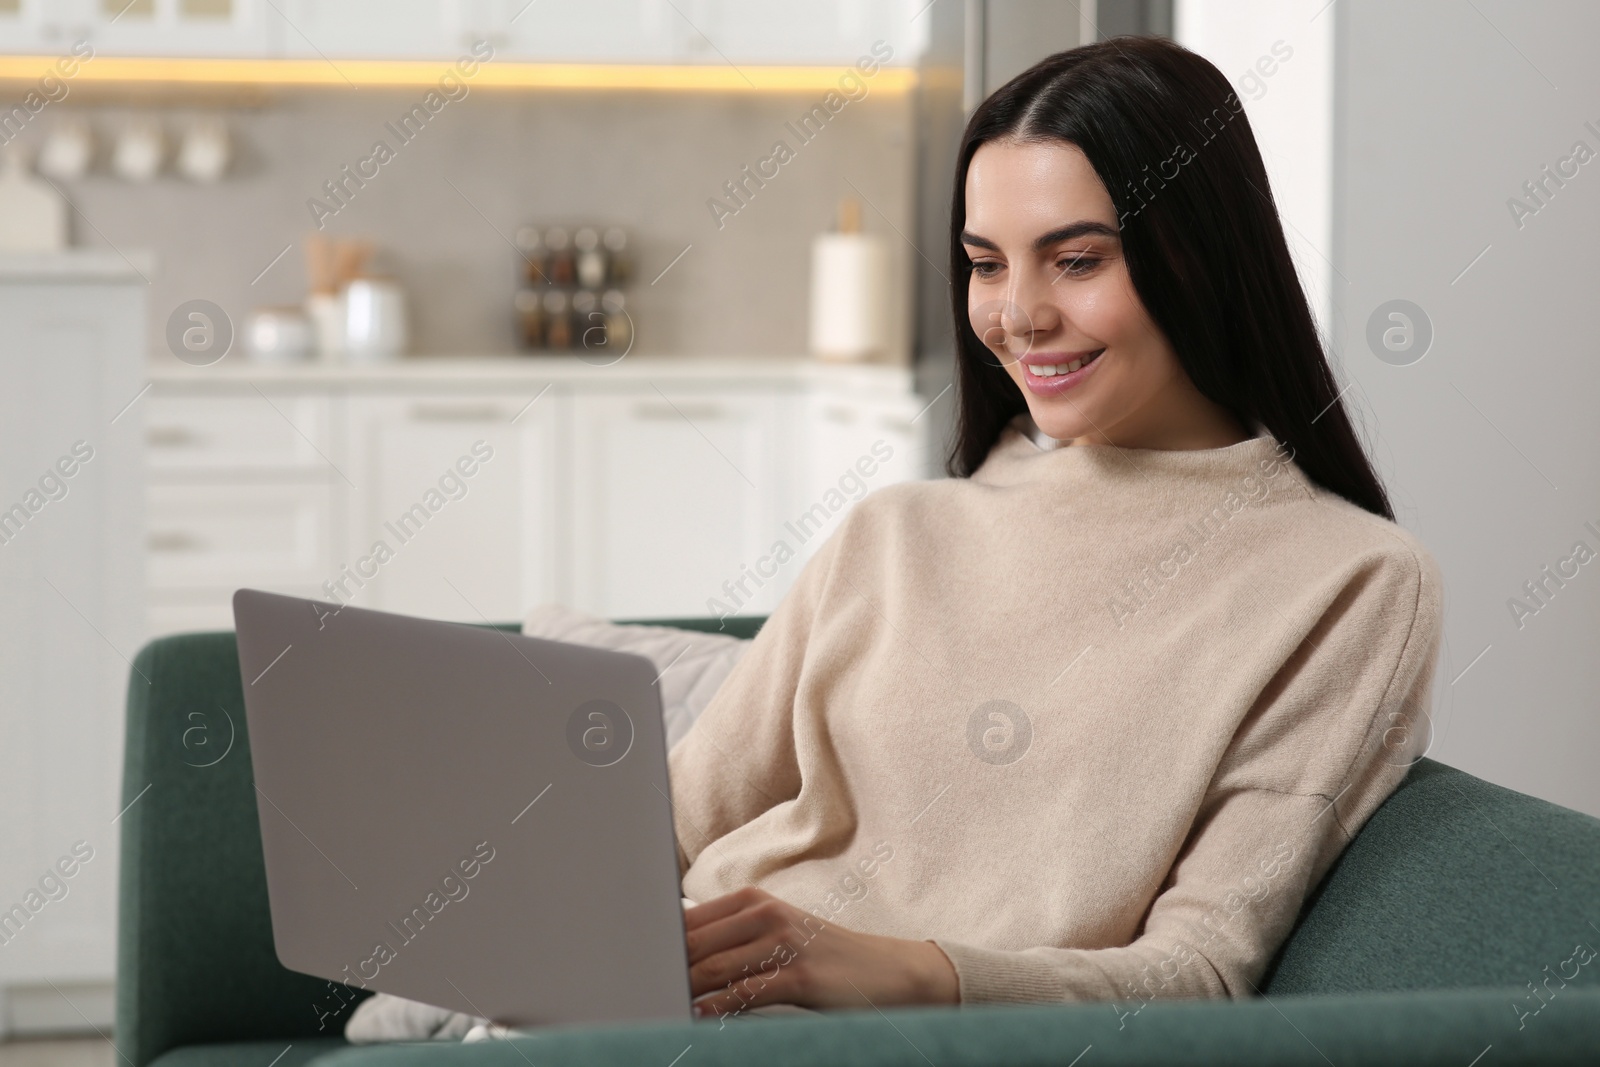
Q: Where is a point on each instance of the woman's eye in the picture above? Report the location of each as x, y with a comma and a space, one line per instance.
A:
1074, 266
985, 269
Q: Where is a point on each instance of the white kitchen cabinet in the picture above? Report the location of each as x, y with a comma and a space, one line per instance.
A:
241, 491
203, 536
22, 30
371, 29
655, 488
716, 32
72, 364
855, 447
224, 28
221, 28
248, 430
452, 510
601, 31
827, 32
673, 492
44, 27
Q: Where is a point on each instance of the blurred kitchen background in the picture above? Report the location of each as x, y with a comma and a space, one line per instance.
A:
667, 278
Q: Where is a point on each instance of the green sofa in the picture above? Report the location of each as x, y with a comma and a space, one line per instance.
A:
1422, 946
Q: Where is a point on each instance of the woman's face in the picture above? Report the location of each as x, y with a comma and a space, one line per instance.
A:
1050, 291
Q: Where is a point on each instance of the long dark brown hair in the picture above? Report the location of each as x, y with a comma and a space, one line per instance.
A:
1204, 249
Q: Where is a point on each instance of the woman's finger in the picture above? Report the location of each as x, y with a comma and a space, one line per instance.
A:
752, 972
742, 927
722, 907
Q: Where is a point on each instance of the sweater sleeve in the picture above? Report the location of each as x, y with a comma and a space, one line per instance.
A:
739, 758
1329, 739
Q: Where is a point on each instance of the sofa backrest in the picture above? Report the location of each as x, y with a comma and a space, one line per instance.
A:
195, 961
1453, 883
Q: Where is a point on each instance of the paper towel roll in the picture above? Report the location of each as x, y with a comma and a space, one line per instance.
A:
849, 293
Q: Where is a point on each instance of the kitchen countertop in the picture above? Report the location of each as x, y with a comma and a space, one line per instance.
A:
488, 369
76, 265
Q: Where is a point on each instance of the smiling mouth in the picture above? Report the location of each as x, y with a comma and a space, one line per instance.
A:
1050, 370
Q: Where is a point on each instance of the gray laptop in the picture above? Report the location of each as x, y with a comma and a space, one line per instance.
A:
461, 816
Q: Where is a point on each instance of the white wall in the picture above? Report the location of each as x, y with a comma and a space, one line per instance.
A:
1490, 443
1397, 136
1279, 56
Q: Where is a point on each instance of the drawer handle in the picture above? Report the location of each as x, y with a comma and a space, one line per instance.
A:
649, 409
172, 541
168, 436
457, 413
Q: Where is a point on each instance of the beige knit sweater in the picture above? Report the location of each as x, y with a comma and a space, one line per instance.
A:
1094, 720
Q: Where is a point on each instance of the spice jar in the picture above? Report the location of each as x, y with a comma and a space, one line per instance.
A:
619, 262
559, 268
557, 321
619, 326
591, 262
588, 322
530, 246
530, 318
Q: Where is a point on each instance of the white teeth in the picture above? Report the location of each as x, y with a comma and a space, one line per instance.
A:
1050, 370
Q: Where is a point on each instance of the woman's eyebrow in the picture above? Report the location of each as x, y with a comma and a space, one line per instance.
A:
1081, 228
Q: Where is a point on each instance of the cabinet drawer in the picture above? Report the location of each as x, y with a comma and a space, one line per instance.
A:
209, 536
251, 430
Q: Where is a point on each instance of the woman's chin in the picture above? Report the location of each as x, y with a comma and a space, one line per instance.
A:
1061, 425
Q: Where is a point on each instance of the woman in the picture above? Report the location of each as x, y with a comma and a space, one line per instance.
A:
1090, 718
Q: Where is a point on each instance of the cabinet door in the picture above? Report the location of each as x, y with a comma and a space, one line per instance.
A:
45, 27
775, 31
148, 27
852, 446
674, 496
597, 31
370, 29
450, 510
876, 439
22, 30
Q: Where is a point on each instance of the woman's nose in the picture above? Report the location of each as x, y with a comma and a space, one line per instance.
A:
1015, 319
998, 321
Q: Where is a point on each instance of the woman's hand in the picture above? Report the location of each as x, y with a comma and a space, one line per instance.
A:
758, 950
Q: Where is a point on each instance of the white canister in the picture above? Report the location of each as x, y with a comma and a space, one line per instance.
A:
277, 335
139, 151
67, 151
326, 312
203, 152
374, 320
849, 295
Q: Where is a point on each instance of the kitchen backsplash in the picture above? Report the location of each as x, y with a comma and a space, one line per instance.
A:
720, 253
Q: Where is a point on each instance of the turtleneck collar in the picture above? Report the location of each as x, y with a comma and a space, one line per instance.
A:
1023, 454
